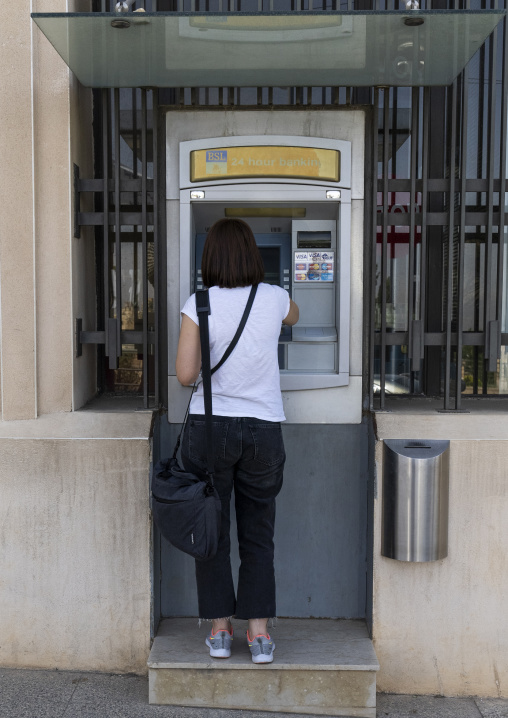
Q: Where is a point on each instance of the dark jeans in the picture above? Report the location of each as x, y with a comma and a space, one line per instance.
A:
249, 456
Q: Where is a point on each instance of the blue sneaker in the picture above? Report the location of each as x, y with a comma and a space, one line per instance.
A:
219, 643
261, 648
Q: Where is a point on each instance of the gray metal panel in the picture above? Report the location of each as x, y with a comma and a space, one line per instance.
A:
311, 357
317, 305
321, 530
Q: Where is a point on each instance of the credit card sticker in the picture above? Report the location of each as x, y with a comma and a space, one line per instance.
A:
313, 266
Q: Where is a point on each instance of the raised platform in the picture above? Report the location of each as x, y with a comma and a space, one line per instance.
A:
321, 666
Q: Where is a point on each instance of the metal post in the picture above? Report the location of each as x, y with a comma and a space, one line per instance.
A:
384, 250
118, 236
374, 145
451, 228
144, 170
424, 198
489, 322
106, 107
502, 182
155, 145
414, 360
462, 241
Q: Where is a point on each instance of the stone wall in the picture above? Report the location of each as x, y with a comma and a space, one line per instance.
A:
46, 129
441, 627
75, 586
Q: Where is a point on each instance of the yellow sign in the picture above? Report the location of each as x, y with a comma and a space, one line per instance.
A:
264, 161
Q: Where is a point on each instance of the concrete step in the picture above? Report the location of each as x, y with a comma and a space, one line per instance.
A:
321, 666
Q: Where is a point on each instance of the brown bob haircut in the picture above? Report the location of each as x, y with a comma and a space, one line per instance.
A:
231, 257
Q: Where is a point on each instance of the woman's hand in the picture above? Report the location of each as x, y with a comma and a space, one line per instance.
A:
293, 314
188, 355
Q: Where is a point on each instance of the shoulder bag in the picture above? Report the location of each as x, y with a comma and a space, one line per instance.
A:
186, 508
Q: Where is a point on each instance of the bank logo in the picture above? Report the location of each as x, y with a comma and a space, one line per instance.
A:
216, 162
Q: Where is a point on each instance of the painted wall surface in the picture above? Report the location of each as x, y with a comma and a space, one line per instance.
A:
442, 627
75, 536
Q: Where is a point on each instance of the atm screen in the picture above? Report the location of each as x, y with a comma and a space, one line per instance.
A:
275, 252
271, 262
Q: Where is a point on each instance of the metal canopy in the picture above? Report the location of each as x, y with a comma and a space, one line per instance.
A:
358, 48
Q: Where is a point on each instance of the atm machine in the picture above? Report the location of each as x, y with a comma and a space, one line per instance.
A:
302, 228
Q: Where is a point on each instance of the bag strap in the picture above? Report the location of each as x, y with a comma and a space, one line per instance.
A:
239, 331
178, 440
203, 311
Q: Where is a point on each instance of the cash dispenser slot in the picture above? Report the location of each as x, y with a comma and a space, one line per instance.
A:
314, 334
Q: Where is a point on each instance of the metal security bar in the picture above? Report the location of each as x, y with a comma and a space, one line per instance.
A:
439, 276
256, 97
438, 289
127, 243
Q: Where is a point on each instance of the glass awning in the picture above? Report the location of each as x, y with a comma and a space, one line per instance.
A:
358, 48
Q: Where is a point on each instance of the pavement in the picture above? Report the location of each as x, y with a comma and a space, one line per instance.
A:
68, 694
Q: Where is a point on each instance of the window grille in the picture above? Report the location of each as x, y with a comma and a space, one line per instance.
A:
435, 234
438, 288
126, 242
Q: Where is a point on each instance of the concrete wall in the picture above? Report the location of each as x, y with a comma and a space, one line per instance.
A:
75, 536
17, 251
46, 128
75, 589
441, 627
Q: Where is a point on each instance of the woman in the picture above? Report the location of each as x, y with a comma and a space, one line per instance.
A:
249, 450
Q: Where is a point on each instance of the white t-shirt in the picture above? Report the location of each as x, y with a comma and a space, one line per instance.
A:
248, 383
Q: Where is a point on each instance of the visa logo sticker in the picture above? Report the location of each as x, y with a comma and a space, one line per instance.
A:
216, 162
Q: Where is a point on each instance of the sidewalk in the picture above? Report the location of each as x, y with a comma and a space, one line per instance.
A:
62, 694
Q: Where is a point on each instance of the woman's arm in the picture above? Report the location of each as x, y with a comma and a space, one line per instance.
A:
293, 314
188, 355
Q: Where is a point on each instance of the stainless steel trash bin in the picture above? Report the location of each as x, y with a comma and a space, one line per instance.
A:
415, 500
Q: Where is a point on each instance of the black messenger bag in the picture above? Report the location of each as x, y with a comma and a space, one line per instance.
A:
187, 508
